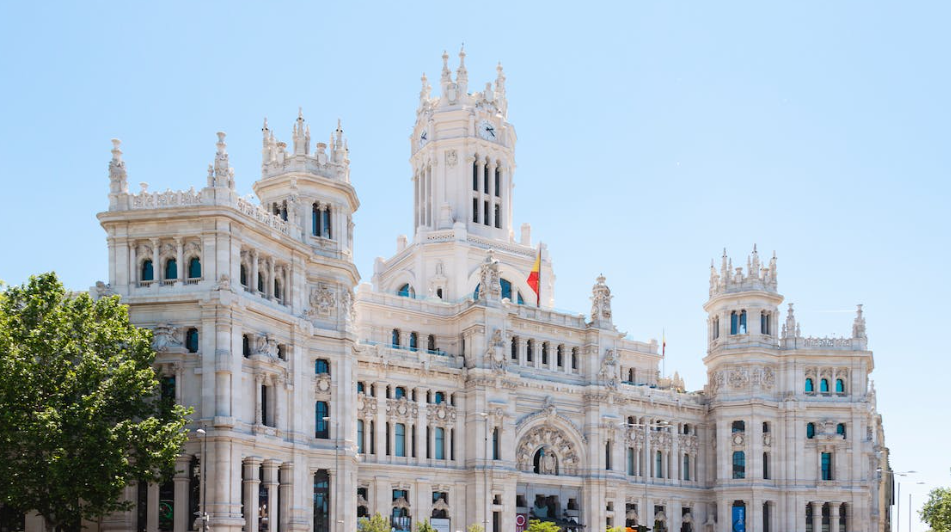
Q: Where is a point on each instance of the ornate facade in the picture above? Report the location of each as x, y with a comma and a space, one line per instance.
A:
447, 388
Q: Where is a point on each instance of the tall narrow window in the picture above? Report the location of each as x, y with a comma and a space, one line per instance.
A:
431, 344
607, 456
826, 466
485, 181
739, 464
498, 216
498, 183
810, 430
191, 340
810, 387
322, 427
244, 275
440, 443
734, 322
322, 367
395, 338
630, 461
506, 286
475, 176
824, 386
530, 350
839, 386
840, 429
574, 358
742, 322
439, 398
194, 268
659, 465
545, 353
400, 435
764, 323
686, 466
560, 356
245, 345
372, 437
315, 220
171, 269
261, 282
413, 341
765, 466
485, 212
325, 222
514, 348
265, 405
321, 501
767, 517
360, 436
475, 210
738, 516
496, 444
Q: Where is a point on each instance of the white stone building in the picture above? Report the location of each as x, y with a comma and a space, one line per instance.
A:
447, 388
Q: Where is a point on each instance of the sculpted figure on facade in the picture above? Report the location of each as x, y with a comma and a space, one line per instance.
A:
118, 180
166, 337
322, 301
489, 287
601, 302
610, 373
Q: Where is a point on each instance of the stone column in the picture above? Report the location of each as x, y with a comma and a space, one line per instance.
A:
490, 192
156, 263
253, 281
133, 265
421, 424
280, 402
273, 500
258, 411
182, 465
674, 516
269, 289
379, 429
151, 521
834, 516
816, 516
724, 516
180, 266
287, 494
251, 488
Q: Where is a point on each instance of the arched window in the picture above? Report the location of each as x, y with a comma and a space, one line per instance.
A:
514, 348
810, 430
322, 367
244, 275
498, 182
431, 343
530, 350
440, 443
475, 176
686, 428
246, 346
399, 392
171, 269
322, 414
765, 466
545, 353
764, 323
413, 341
315, 220
399, 433
607, 456
148, 273
840, 429
810, 386
839, 386
439, 398
824, 386
406, 291
194, 268
574, 358
659, 465
506, 289
739, 426
739, 464
560, 356
191, 340
395, 338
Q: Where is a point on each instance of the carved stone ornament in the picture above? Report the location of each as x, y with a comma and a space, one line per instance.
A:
441, 414
366, 406
166, 337
224, 282
489, 285
103, 290
452, 158
610, 373
401, 409
738, 439
767, 439
559, 457
739, 377
323, 384
322, 301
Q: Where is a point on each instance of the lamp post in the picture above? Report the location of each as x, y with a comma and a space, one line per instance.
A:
204, 479
909, 506
336, 468
485, 471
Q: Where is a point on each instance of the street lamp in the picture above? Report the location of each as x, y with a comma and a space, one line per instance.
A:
910, 507
204, 480
485, 471
336, 467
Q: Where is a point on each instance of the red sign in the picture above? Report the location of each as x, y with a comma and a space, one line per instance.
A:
521, 522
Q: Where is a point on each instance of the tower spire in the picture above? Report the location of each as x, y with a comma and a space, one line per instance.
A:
118, 179
462, 75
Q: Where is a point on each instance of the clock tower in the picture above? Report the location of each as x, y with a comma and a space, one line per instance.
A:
463, 157
463, 161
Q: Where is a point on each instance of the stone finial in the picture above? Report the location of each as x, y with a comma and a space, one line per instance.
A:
224, 175
118, 179
445, 67
462, 75
425, 90
601, 303
858, 326
301, 134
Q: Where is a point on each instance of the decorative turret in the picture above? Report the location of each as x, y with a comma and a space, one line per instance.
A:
858, 326
743, 306
735, 280
118, 179
223, 173
462, 75
276, 160
790, 328
601, 305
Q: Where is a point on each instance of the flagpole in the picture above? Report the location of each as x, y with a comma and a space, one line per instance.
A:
663, 353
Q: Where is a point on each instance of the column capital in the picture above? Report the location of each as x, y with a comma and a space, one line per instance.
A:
252, 460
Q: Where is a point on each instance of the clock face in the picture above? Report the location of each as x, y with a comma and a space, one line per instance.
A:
487, 131
423, 138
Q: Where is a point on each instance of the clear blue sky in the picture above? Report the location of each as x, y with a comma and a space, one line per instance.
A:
651, 135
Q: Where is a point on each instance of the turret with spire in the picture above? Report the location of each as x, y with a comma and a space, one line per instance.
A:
118, 179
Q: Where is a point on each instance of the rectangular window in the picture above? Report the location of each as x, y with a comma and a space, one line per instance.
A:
739, 464
766, 516
429, 450
475, 177
360, 436
475, 210
496, 445
765, 466
826, 466
485, 209
630, 461
498, 182
400, 436
686, 467
498, 216
496, 521
388, 453
607, 456
440, 443
412, 430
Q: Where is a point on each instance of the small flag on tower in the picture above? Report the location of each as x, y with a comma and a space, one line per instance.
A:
663, 348
535, 276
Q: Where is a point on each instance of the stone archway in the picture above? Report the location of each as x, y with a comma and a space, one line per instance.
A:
549, 449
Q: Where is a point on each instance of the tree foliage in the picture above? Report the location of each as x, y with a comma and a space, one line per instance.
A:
937, 511
424, 526
376, 523
534, 525
79, 415
475, 527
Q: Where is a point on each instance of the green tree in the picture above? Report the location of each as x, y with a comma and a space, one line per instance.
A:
937, 511
475, 528
376, 523
424, 526
79, 414
534, 525
616, 529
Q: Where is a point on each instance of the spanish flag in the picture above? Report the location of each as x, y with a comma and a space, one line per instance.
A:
534, 277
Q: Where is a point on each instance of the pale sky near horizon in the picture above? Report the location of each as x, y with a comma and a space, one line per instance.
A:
651, 136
